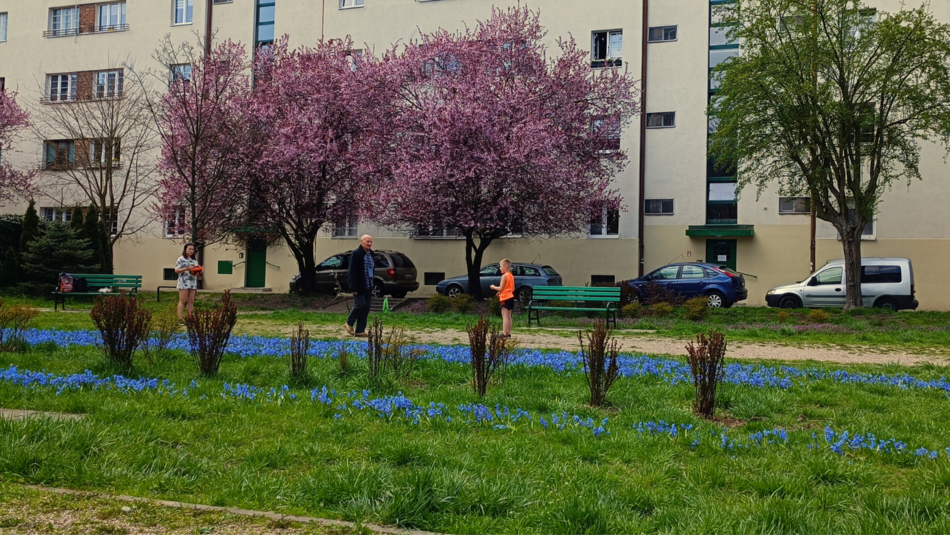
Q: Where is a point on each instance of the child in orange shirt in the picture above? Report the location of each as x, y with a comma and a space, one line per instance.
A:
506, 295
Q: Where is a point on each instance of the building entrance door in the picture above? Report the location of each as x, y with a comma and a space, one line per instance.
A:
256, 264
721, 253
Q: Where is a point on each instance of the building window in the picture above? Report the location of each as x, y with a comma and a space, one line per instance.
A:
184, 11
57, 214
265, 22
175, 225
602, 280
610, 126
181, 72
346, 229
661, 120
794, 205
867, 233
433, 278
64, 21
103, 152
720, 35
62, 87
350, 3
605, 223
107, 216
351, 59
60, 154
109, 84
606, 49
658, 207
111, 17
423, 232
718, 56
662, 33
3, 27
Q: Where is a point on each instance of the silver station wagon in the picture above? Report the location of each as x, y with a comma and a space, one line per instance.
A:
885, 283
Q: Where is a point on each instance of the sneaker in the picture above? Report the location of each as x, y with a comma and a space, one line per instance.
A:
349, 329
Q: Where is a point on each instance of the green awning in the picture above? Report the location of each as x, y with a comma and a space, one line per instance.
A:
720, 231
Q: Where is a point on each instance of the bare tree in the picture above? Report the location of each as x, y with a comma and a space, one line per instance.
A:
99, 144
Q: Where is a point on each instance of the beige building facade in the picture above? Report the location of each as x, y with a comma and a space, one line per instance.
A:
690, 214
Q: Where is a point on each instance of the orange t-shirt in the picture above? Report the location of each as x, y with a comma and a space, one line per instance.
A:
507, 287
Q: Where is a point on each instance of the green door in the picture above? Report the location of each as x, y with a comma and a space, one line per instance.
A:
721, 253
256, 264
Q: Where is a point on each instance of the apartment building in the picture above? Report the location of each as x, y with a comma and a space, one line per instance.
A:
51, 51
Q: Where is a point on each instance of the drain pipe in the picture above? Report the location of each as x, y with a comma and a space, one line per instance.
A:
641, 202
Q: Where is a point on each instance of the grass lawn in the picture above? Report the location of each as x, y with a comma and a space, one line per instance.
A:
764, 466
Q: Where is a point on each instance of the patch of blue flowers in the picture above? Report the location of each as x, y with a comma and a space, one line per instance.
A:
400, 408
668, 370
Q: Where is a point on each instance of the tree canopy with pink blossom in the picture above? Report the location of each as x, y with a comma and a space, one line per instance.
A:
13, 119
316, 112
492, 137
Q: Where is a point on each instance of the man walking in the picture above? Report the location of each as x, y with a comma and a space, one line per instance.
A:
360, 279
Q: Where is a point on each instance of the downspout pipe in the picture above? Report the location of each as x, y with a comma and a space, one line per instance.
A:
641, 202
208, 28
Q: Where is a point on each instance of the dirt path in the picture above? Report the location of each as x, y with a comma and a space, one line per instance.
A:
650, 344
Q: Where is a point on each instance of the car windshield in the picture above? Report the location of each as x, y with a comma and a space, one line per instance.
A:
549, 270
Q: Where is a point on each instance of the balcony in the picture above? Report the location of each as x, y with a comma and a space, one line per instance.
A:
87, 30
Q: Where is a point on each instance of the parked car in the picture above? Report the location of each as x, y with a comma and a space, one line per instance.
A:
721, 286
885, 283
527, 276
394, 274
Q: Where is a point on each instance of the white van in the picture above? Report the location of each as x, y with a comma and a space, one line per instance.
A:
885, 283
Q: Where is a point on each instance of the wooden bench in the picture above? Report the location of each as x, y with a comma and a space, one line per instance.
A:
97, 281
582, 297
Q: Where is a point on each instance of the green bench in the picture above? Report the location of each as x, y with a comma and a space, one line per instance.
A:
97, 281
582, 297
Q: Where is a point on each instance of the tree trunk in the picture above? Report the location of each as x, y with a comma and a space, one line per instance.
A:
303, 253
473, 261
851, 243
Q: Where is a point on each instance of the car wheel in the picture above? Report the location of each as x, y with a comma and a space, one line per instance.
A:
453, 291
887, 304
790, 301
377, 290
399, 295
524, 294
715, 300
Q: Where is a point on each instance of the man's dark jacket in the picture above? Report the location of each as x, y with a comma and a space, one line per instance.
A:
356, 274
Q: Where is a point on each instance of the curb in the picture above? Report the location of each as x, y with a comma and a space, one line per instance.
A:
232, 510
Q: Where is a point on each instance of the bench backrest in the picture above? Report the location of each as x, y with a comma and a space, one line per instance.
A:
99, 280
577, 293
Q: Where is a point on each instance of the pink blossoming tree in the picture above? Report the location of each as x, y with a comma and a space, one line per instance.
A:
316, 111
492, 137
206, 142
13, 182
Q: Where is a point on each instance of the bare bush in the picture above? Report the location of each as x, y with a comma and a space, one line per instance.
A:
389, 354
13, 321
600, 361
164, 327
209, 332
123, 325
706, 363
490, 353
299, 349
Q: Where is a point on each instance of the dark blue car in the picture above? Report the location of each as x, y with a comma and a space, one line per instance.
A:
722, 286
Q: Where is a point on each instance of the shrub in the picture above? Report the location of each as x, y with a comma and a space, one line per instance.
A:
655, 293
632, 310
209, 332
10, 274
164, 327
494, 306
819, 316
697, 309
782, 317
13, 321
124, 327
389, 353
661, 310
600, 362
706, 363
490, 351
343, 357
57, 250
439, 304
463, 304
299, 348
